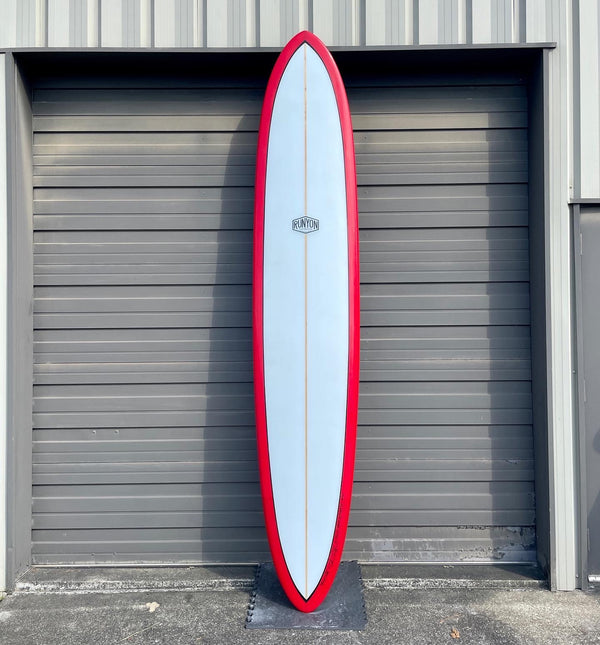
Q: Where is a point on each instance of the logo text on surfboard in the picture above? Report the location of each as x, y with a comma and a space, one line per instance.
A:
305, 225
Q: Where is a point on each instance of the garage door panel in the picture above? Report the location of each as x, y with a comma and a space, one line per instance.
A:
236, 396
231, 176
133, 420
223, 101
183, 123
143, 321
167, 102
394, 176
448, 141
410, 470
194, 148
143, 276
450, 415
188, 372
249, 122
447, 272
216, 519
61, 371
446, 317
428, 339
123, 222
232, 204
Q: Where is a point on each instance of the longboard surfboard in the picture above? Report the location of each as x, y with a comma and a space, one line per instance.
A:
306, 317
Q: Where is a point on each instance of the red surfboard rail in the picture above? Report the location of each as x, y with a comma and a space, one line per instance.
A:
337, 545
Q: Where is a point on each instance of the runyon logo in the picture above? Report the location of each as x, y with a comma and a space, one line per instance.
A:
305, 225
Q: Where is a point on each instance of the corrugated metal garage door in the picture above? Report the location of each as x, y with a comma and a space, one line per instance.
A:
143, 421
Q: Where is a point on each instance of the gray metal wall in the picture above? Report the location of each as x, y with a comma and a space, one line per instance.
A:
587, 243
143, 430
570, 94
266, 23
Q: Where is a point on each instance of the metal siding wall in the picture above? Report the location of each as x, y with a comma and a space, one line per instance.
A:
589, 99
78, 23
130, 23
3, 323
588, 313
536, 29
233, 23
389, 22
337, 22
19, 349
558, 235
428, 22
111, 23
8, 24
216, 23
143, 396
280, 20
184, 20
164, 23
93, 23
27, 24
61, 29
448, 21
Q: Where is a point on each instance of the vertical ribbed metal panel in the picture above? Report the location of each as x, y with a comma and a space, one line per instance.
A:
384, 25
270, 23
280, 20
77, 23
8, 24
93, 23
536, 29
233, 23
482, 21
588, 312
497, 21
130, 23
61, 27
217, 23
589, 98
143, 425
429, 22
558, 235
337, 22
26, 22
3, 325
111, 23
398, 24
184, 23
448, 17
502, 21
165, 25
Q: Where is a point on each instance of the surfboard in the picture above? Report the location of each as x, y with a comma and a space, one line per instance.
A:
306, 317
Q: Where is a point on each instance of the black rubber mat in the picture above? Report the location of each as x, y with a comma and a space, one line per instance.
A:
343, 608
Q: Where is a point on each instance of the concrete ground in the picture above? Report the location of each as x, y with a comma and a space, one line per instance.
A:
189, 606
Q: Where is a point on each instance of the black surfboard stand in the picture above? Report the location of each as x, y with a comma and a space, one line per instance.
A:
342, 609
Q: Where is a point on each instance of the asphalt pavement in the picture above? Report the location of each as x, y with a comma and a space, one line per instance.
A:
191, 606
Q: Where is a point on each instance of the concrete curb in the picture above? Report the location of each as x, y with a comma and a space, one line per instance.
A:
56, 580
453, 583
114, 586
